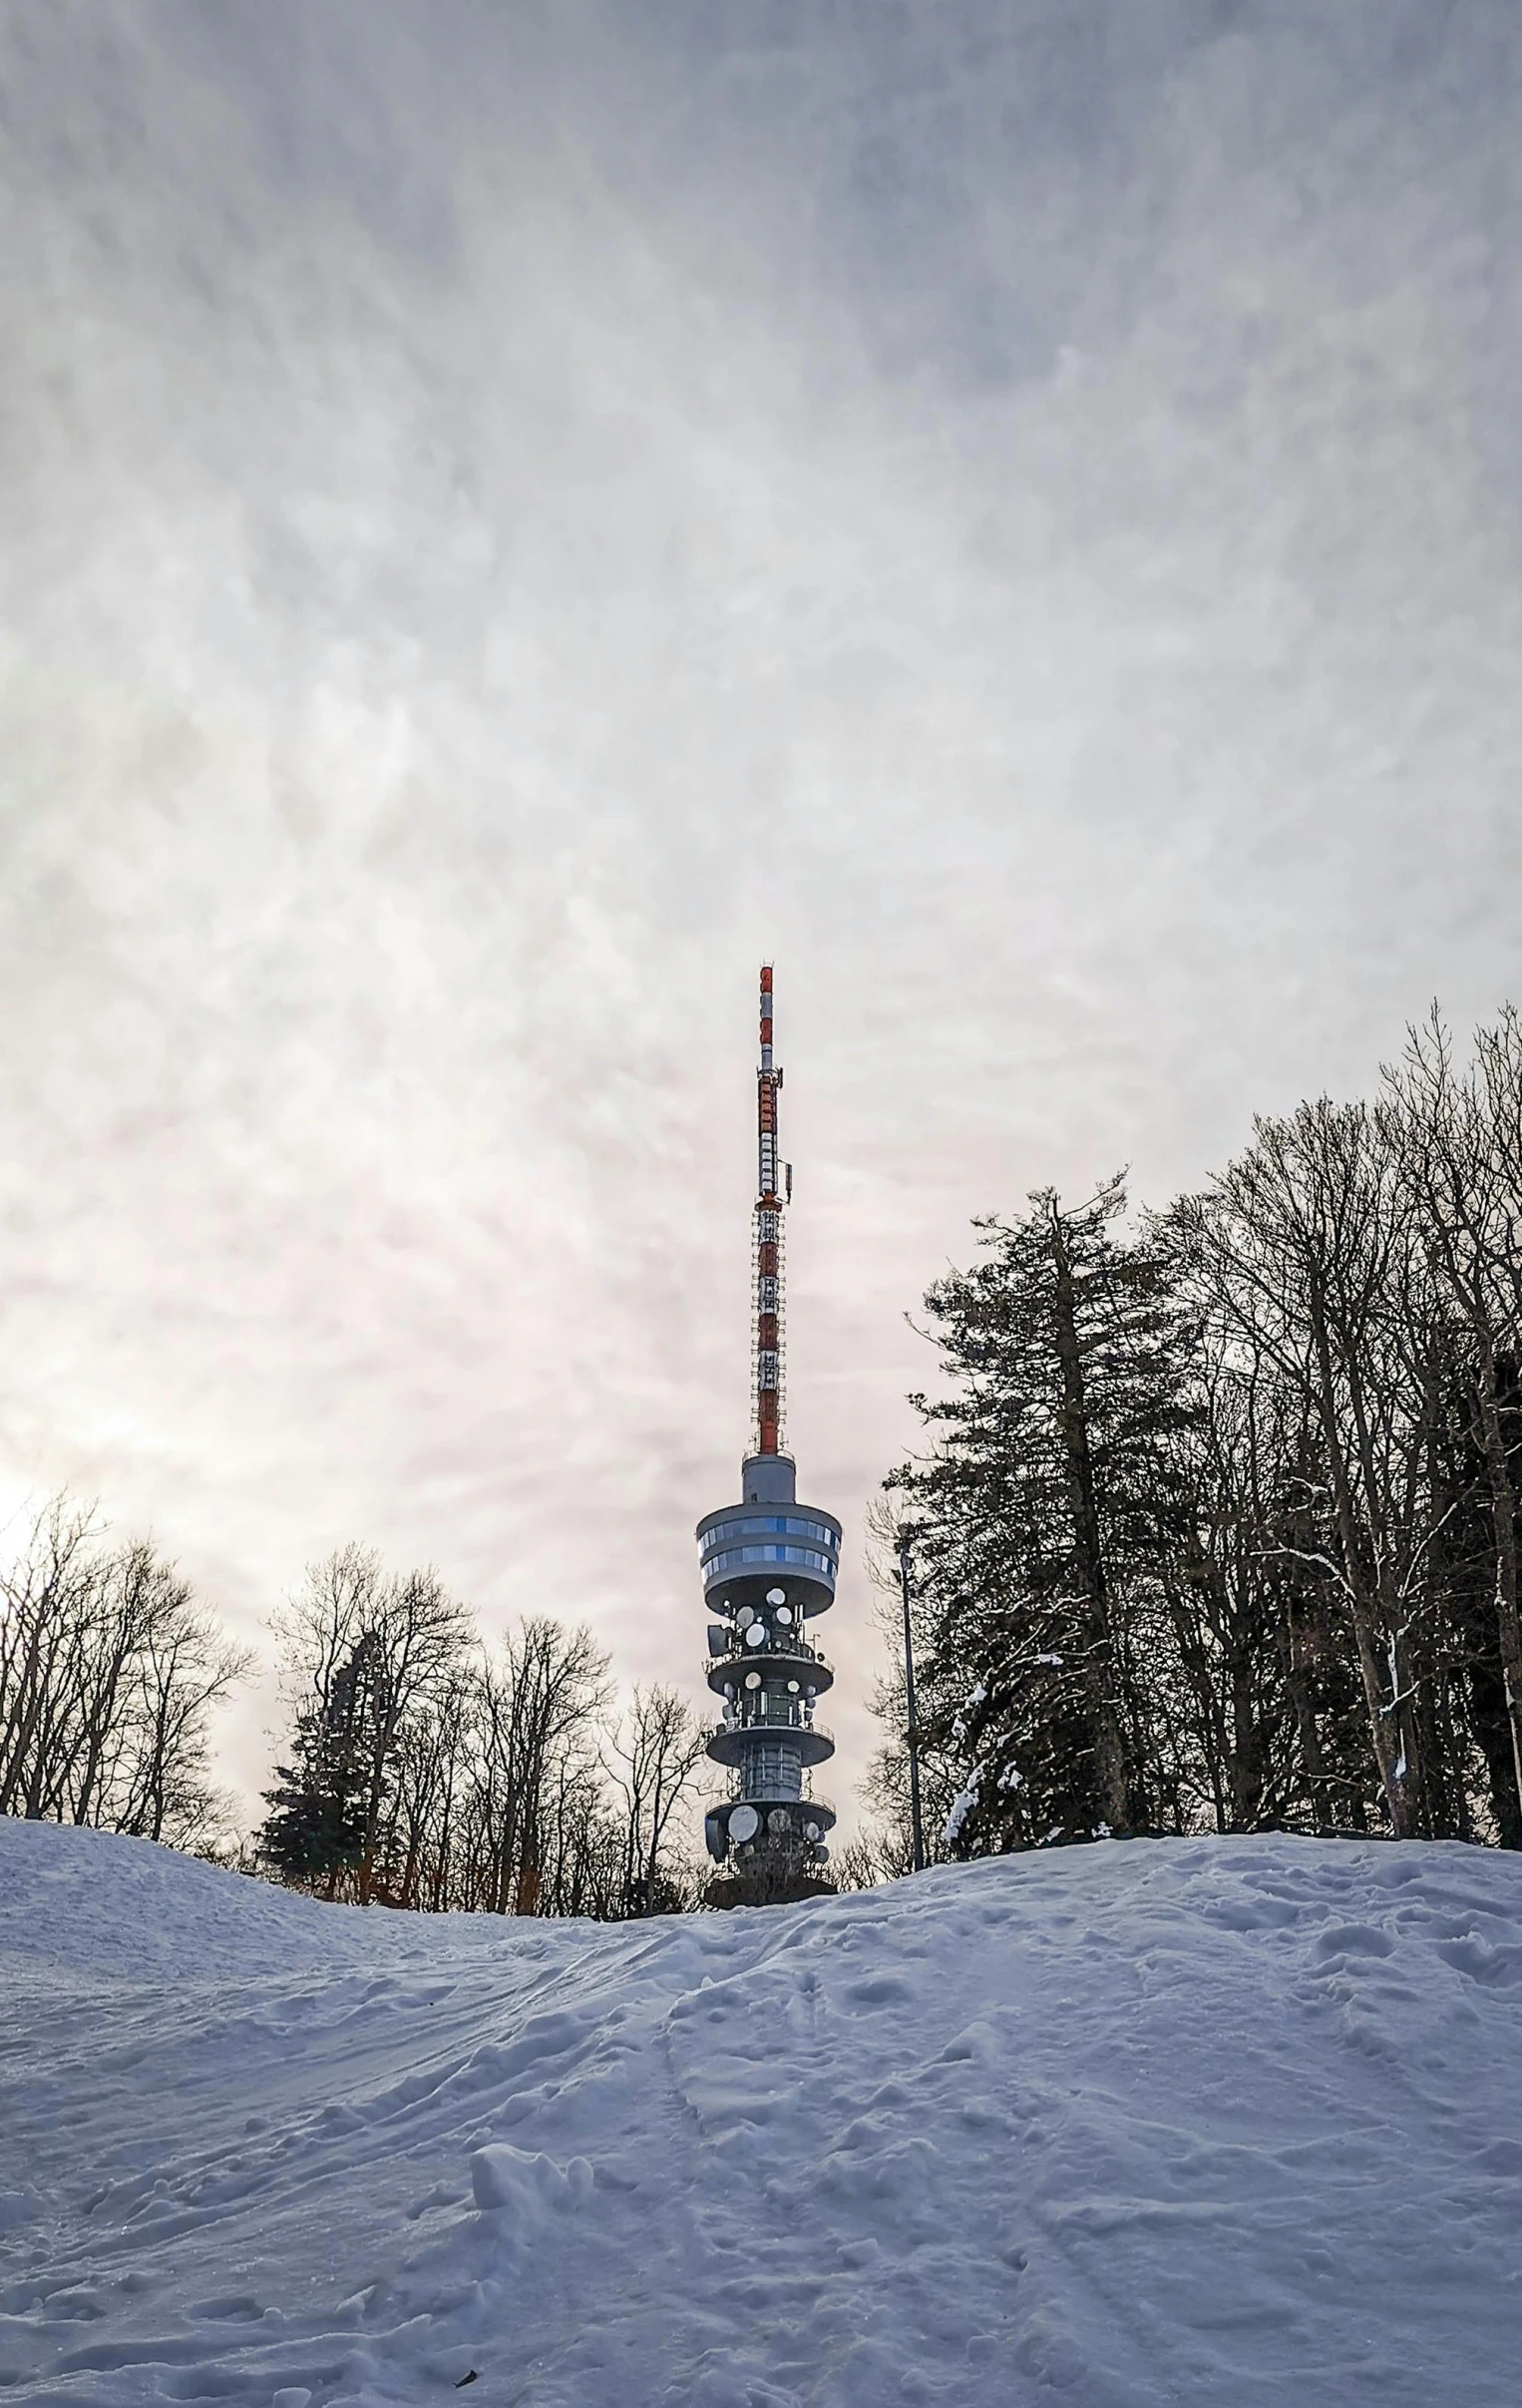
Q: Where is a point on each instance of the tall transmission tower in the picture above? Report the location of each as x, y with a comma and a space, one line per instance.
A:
769, 1566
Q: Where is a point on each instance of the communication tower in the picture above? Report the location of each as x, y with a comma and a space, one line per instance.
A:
769, 1566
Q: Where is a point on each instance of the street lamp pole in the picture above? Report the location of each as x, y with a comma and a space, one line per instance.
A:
917, 1824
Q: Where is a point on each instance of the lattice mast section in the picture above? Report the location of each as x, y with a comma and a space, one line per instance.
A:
774, 1188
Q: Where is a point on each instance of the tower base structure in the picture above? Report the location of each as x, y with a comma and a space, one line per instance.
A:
768, 1885
769, 1566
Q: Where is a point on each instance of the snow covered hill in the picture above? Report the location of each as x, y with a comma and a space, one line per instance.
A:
1223, 2121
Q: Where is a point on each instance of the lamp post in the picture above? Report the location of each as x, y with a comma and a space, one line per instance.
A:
917, 1824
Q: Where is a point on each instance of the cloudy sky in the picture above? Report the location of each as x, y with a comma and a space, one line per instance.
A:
513, 509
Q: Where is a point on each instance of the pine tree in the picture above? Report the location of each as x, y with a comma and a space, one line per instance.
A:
1043, 1511
321, 1804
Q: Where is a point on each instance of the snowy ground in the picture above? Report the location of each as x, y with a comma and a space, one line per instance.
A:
1221, 2123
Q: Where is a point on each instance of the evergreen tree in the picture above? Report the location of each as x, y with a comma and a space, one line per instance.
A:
316, 1831
1044, 1510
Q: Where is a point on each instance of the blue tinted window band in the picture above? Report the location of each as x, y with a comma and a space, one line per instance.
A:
790, 1525
805, 1558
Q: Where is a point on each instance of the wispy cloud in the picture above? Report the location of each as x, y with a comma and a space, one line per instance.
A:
509, 514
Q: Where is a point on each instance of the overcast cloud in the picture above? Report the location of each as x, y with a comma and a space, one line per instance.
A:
511, 513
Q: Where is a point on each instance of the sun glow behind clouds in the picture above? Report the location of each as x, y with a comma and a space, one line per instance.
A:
511, 514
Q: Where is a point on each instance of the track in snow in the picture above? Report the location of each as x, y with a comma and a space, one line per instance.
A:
1206, 2123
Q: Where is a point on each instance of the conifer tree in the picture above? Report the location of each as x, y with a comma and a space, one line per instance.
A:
318, 1828
1049, 1498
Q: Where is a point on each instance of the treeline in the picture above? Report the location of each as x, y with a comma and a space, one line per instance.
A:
1216, 1527
417, 1769
109, 1668
424, 1772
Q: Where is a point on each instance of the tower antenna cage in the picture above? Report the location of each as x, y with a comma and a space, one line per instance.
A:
768, 1293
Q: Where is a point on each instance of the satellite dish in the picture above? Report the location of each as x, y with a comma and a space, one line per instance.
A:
778, 1819
756, 1634
792, 1689
744, 1823
776, 1596
752, 1680
784, 1614
811, 1830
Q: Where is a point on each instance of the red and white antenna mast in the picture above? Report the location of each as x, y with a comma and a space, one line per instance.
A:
774, 1184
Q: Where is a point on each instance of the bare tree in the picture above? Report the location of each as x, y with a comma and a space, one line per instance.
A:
108, 1669
421, 1638
51, 1600
1458, 1140
875, 1854
654, 1757
1309, 1261
536, 1732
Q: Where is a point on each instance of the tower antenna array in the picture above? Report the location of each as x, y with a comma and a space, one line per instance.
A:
769, 1284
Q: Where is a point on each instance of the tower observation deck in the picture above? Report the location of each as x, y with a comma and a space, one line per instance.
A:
768, 1568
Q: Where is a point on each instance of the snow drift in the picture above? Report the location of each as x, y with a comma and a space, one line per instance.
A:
1206, 2121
